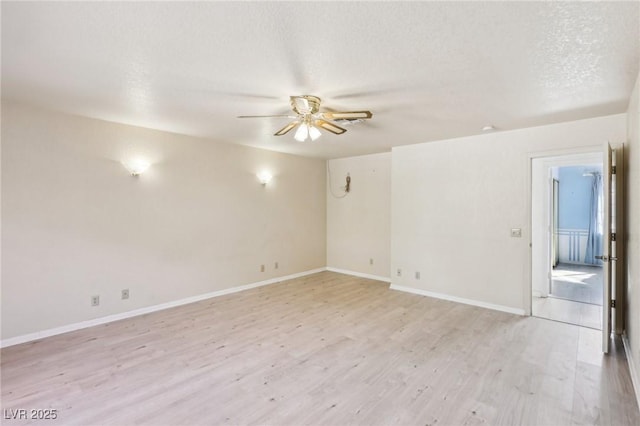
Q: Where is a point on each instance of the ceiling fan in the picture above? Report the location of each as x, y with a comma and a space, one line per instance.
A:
309, 120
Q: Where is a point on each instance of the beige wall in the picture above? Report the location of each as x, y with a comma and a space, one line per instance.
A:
454, 203
75, 224
358, 224
633, 228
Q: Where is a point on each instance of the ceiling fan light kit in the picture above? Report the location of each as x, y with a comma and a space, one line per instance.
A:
307, 131
309, 120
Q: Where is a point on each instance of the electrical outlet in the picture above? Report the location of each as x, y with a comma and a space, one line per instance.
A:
371, 261
275, 265
417, 275
95, 300
125, 294
516, 232
399, 272
261, 268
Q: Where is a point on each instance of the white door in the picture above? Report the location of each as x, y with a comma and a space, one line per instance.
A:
607, 201
617, 244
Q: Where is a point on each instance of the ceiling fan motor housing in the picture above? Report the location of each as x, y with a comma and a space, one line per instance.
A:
305, 104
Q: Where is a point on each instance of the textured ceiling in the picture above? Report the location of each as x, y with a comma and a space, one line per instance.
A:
427, 71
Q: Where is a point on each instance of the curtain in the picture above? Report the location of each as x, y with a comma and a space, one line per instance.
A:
594, 240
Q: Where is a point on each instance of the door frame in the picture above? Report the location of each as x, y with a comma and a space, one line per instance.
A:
549, 154
555, 201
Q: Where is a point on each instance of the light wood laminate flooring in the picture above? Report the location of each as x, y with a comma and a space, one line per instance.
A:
576, 296
578, 313
324, 349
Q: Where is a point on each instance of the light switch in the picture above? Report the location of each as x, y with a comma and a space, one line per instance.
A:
516, 232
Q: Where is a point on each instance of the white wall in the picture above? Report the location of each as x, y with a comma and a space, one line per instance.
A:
76, 224
455, 201
632, 153
358, 225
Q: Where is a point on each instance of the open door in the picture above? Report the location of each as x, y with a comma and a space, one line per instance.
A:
618, 287
608, 201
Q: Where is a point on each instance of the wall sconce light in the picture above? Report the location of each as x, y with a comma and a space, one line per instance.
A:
136, 166
264, 177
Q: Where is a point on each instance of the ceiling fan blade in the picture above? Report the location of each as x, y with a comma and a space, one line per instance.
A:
333, 128
349, 115
266, 116
251, 96
286, 128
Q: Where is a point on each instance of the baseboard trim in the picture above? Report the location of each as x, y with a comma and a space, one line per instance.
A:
458, 299
635, 380
146, 310
358, 274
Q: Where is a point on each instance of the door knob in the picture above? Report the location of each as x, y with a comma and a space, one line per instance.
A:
604, 258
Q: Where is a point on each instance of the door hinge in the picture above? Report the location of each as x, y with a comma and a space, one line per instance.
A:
613, 303
613, 170
613, 236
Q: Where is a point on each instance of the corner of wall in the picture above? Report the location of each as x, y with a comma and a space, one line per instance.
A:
358, 222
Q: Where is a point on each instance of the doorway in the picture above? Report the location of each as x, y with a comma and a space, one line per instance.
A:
567, 229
